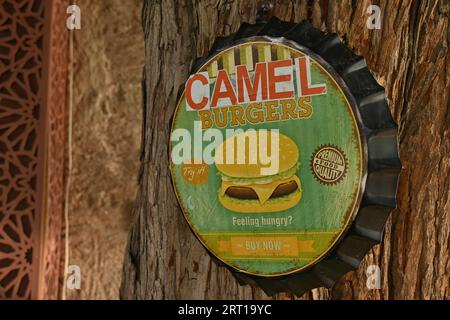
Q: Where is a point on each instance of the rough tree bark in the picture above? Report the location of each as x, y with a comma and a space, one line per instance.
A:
409, 55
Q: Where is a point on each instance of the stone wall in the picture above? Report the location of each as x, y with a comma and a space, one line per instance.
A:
108, 60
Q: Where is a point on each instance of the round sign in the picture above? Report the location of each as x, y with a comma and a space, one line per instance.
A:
267, 159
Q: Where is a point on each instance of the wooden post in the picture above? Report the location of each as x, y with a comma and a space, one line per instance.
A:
410, 56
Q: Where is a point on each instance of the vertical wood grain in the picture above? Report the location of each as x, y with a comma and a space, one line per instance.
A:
409, 56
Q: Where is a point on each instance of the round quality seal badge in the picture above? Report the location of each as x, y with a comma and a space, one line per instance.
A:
329, 164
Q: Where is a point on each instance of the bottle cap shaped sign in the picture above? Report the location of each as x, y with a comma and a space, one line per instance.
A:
284, 156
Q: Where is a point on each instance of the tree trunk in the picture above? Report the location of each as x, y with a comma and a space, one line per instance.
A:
409, 55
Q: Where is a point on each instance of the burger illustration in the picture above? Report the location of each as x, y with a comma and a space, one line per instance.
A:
244, 185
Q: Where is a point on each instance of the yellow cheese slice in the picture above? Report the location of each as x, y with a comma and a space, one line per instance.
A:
264, 191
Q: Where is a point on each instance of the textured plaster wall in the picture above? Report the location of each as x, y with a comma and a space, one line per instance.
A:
108, 58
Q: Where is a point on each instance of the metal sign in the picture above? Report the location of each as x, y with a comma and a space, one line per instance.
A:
270, 150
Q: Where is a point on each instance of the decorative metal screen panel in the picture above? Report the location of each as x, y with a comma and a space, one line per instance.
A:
33, 73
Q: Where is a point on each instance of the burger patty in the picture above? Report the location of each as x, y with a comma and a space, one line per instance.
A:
250, 194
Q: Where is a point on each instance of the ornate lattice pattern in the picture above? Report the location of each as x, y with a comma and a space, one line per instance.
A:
31, 147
